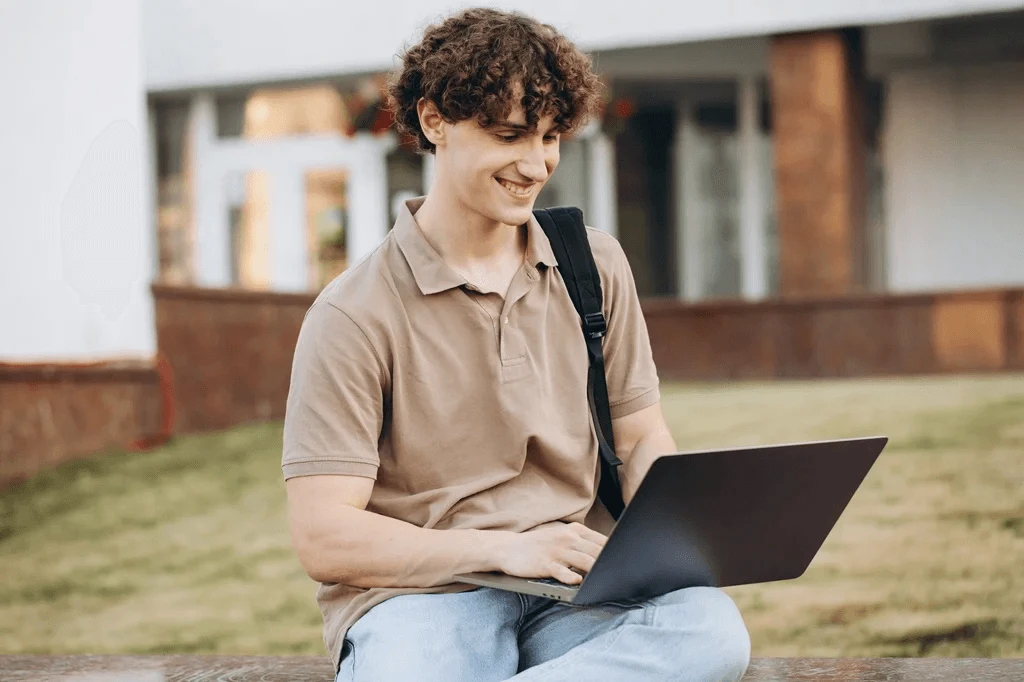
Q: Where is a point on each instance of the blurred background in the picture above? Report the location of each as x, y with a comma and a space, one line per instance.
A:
821, 203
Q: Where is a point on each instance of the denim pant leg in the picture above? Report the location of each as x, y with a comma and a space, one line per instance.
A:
461, 637
691, 634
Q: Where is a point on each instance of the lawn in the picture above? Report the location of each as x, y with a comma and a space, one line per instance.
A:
185, 549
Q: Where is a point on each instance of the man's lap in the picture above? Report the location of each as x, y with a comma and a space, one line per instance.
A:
461, 636
490, 634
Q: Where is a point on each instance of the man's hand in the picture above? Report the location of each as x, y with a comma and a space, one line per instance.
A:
551, 552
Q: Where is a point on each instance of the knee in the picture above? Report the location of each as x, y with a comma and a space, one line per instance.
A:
710, 615
729, 636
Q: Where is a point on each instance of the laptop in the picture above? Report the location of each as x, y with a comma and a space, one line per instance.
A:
717, 518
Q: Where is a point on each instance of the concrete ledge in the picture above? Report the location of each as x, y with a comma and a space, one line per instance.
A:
317, 668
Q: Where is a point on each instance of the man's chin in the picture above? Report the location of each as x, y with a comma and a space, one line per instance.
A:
517, 215
508, 215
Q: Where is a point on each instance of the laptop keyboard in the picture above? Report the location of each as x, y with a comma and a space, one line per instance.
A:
554, 583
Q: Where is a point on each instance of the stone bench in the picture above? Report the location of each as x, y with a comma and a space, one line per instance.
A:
315, 668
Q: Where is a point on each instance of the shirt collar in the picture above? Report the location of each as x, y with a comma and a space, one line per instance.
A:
431, 273
538, 248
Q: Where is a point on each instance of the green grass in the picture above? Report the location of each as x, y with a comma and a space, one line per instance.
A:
185, 549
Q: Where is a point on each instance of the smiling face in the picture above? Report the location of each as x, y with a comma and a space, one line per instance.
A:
490, 92
497, 171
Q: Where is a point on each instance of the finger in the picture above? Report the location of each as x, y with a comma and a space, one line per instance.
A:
590, 534
580, 560
564, 574
587, 547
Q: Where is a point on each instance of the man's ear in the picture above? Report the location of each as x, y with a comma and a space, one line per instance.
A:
432, 123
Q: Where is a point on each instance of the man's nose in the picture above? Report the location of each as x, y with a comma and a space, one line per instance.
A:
533, 163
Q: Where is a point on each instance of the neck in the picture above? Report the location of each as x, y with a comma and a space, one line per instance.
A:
463, 237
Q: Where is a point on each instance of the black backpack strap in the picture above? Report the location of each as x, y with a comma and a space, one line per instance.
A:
568, 236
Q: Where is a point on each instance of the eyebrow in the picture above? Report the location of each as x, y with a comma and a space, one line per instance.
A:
522, 127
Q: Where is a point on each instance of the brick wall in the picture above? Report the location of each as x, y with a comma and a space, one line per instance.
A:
231, 355
231, 352
850, 336
53, 413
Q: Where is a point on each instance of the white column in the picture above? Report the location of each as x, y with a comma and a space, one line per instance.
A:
601, 185
689, 260
367, 197
753, 277
213, 243
289, 257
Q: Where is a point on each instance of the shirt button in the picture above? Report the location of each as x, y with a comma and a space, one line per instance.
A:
506, 320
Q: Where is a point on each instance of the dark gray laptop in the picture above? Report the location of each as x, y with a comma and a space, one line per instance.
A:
717, 518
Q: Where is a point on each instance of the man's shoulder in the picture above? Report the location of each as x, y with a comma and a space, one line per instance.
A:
367, 290
608, 253
602, 241
363, 300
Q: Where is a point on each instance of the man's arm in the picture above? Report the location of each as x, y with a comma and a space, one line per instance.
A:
640, 438
338, 541
641, 434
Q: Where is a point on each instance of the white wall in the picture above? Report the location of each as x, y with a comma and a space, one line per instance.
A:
76, 230
192, 43
954, 150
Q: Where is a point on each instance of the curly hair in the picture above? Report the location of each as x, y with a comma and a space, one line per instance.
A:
474, 64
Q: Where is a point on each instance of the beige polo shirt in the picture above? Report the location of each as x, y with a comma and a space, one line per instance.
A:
469, 409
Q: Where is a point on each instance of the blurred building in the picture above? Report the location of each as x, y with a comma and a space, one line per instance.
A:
803, 190
751, 148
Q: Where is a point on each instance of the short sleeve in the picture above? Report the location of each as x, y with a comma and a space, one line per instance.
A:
629, 364
335, 407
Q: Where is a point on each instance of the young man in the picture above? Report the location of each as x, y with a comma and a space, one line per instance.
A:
438, 423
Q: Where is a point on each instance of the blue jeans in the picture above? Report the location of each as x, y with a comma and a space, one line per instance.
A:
489, 635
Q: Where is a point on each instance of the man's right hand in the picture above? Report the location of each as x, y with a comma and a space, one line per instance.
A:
551, 552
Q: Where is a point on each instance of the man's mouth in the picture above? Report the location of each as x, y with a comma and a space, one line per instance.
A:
515, 189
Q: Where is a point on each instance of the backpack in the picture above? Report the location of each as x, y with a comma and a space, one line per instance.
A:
568, 236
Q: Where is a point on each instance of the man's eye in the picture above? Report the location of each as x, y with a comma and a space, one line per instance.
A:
509, 138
